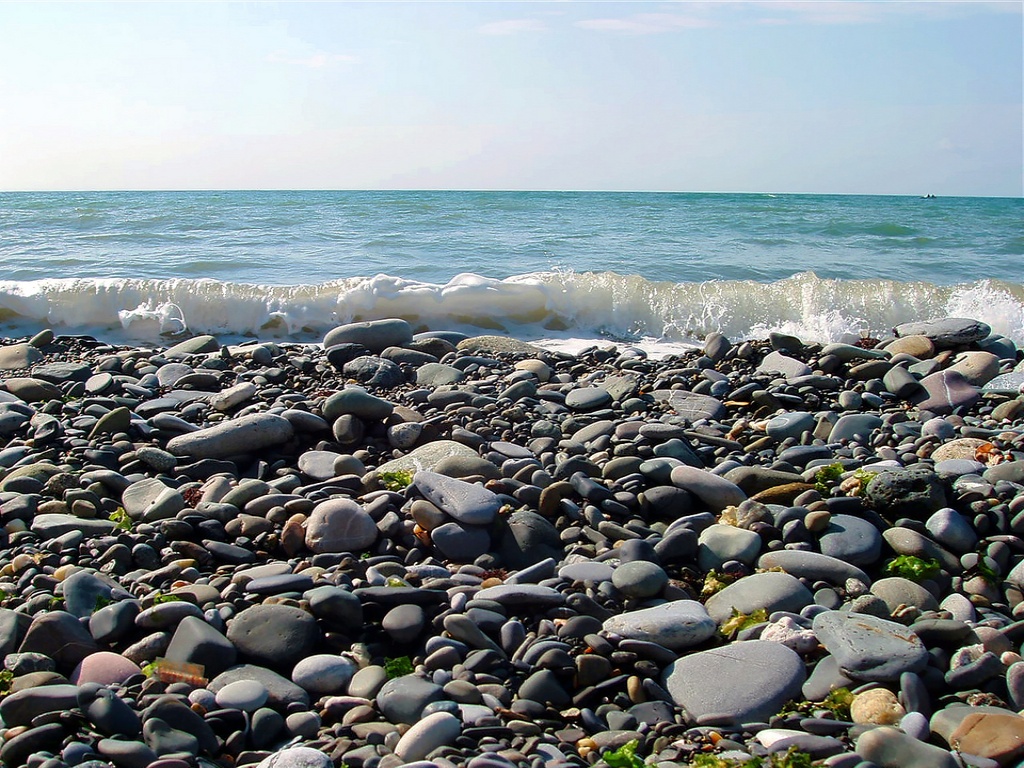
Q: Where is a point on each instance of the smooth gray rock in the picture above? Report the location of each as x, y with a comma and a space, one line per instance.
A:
791, 424
855, 426
197, 642
61, 636
460, 543
852, 540
324, 674
374, 372
297, 757
282, 691
812, 565
692, 406
946, 332
358, 402
777, 362
339, 525
438, 375
718, 544
438, 729
19, 356
890, 747
246, 434
868, 648
716, 492
428, 456
375, 335
897, 591
149, 501
526, 538
20, 707
402, 699
951, 529
468, 503
535, 595
274, 635
676, 625
771, 590
761, 675
944, 392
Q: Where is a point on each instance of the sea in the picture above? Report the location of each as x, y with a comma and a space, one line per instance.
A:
567, 269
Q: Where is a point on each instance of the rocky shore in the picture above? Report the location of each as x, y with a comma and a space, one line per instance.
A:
431, 550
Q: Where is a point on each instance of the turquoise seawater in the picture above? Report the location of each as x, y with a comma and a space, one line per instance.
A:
624, 266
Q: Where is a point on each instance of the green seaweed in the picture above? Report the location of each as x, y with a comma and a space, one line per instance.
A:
987, 573
398, 480
912, 567
740, 621
624, 757
837, 702
121, 520
826, 476
791, 758
159, 597
398, 666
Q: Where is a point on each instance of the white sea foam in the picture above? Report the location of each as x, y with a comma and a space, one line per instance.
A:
558, 305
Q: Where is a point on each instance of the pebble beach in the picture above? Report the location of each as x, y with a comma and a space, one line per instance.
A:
439, 550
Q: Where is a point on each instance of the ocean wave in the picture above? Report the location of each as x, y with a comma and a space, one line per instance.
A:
562, 303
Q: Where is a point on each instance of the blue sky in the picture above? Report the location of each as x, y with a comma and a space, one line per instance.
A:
844, 97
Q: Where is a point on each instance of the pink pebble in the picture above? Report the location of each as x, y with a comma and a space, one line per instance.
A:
105, 668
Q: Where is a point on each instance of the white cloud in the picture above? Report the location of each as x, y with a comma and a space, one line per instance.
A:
512, 27
645, 23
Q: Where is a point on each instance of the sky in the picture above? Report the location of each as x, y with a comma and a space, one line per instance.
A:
819, 97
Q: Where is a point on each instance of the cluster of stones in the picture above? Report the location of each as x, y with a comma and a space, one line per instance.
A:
222, 556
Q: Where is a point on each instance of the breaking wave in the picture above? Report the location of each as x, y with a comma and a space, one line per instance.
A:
541, 305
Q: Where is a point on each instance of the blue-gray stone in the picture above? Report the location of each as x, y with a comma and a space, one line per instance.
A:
282, 691
770, 590
676, 625
358, 402
761, 676
777, 362
790, 425
466, 502
952, 530
402, 699
375, 335
718, 544
242, 435
855, 426
852, 540
868, 648
716, 492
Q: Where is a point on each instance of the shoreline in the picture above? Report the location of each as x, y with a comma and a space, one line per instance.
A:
451, 551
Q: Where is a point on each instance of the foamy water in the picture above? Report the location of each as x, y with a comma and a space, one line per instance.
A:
657, 269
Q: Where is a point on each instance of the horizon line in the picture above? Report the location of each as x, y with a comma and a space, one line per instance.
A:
462, 190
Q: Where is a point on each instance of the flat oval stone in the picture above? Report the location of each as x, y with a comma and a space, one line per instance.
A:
246, 695
588, 398
852, 540
772, 591
812, 565
243, 435
522, 594
868, 648
675, 625
761, 675
716, 492
466, 502
439, 729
